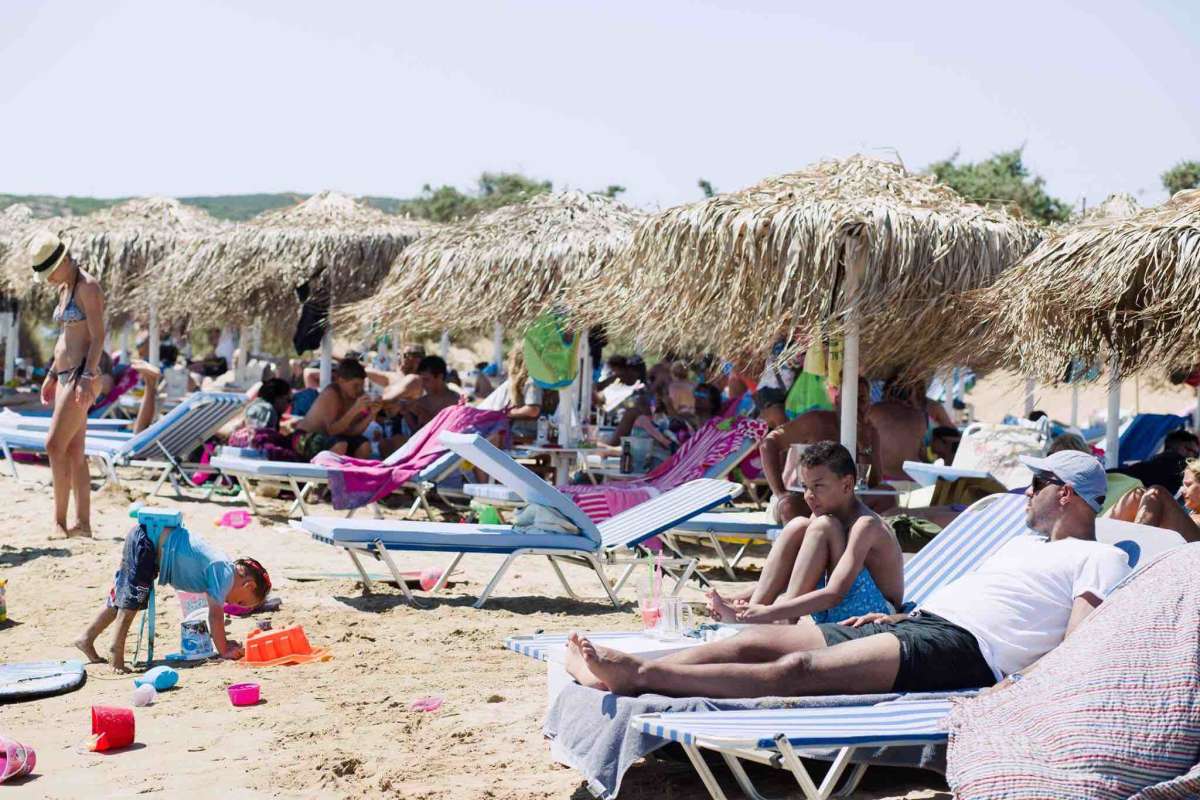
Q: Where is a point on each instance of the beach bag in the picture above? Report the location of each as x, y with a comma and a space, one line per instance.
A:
551, 353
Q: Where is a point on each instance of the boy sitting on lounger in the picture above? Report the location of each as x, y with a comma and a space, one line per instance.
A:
841, 562
187, 563
993, 623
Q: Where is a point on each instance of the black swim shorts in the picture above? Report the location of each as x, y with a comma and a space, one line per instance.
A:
935, 654
139, 568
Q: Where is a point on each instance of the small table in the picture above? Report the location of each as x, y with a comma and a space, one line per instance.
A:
562, 459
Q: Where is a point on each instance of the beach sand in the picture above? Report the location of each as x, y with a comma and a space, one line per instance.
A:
335, 729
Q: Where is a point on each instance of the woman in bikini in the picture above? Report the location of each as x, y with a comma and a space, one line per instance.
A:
71, 383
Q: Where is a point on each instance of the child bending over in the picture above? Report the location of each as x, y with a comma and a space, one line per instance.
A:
186, 563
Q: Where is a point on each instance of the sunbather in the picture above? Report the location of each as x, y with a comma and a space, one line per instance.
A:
992, 623
1156, 506
902, 422
519, 396
809, 428
341, 413
438, 395
841, 562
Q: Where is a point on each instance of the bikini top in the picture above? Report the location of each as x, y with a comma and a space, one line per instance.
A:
71, 312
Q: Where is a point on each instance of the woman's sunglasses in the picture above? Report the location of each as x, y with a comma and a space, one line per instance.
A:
1043, 479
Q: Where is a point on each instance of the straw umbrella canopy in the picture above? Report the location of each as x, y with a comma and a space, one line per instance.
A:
730, 273
1120, 287
13, 221
509, 265
251, 271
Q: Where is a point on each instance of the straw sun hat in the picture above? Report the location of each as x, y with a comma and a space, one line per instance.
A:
46, 251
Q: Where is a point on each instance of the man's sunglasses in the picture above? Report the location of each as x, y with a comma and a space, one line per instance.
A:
1043, 479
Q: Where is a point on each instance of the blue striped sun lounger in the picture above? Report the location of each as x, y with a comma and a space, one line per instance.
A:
246, 466
593, 546
778, 737
164, 445
959, 548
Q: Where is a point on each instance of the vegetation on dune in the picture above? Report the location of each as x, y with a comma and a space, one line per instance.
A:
1002, 179
1181, 177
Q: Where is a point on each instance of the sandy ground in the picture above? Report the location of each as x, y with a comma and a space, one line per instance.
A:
336, 729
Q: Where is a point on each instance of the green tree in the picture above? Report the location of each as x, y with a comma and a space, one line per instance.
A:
612, 190
1182, 176
1002, 179
706, 187
495, 189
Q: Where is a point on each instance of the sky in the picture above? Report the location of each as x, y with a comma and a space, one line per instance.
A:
141, 97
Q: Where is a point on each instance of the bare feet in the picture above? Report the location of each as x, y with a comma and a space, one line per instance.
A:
89, 649
577, 668
80, 532
60, 532
618, 671
721, 610
117, 659
148, 372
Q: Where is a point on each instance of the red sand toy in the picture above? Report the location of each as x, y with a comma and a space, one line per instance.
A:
111, 728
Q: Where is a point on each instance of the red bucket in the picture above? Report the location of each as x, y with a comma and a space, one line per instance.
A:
111, 727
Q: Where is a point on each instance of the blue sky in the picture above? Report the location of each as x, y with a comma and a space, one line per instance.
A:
150, 97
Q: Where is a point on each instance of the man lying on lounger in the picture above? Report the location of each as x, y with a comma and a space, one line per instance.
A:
991, 624
842, 561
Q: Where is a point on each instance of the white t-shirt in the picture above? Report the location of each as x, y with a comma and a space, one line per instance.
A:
1018, 602
499, 399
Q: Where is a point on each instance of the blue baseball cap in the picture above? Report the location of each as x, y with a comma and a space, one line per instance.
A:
1081, 471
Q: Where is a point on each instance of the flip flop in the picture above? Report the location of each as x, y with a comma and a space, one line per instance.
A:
15, 759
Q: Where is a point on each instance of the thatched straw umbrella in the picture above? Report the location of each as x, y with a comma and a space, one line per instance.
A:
13, 222
843, 246
510, 265
1125, 290
338, 245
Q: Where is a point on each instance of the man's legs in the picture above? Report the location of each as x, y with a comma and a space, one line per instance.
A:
754, 645
865, 665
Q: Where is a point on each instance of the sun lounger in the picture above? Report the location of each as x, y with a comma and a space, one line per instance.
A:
778, 737
164, 445
302, 477
988, 451
593, 546
1145, 433
743, 529
41, 422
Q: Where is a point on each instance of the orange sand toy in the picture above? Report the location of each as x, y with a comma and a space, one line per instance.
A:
285, 646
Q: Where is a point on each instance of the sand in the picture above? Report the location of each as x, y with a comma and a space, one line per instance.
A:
340, 728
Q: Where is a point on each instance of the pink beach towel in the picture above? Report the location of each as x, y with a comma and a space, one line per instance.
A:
710, 445
1112, 712
355, 482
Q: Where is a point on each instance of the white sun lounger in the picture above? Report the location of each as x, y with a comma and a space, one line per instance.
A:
163, 445
593, 546
302, 477
755, 527
777, 737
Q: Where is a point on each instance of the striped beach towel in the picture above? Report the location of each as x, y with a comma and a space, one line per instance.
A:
715, 441
1113, 712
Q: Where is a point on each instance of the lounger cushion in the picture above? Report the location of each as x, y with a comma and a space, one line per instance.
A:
733, 523
262, 468
492, 491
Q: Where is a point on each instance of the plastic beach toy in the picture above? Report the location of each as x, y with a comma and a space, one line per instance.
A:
236, 518
111, 728
284, 646
244, 694
429, 577
431, 703
144, 695
15, 759
161, 678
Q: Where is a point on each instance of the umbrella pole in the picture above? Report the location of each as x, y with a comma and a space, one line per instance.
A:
396, 346
585, 383
152, 324
12, 336
1196, 413
327, 357
950, 385
1030, 390
444, 346
856, 266
241, 356
256, 337
1112, 425
1074, 405
497, 345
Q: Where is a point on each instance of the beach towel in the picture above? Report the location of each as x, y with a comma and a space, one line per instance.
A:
121, 384
355, 482
716, 440
1113, 712
589, 730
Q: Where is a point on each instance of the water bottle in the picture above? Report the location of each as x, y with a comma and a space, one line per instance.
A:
543, 430
626, 456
